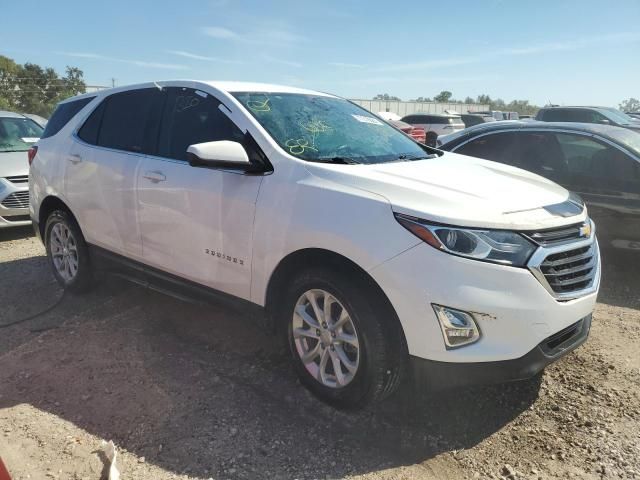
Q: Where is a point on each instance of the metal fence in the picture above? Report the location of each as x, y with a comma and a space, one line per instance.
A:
405, 108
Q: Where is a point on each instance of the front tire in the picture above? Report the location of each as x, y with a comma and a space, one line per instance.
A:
67, 252
346, 344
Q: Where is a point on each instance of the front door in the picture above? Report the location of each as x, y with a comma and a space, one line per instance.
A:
196, 222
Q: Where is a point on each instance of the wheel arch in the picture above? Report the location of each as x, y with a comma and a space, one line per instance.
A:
48, 205
300, 260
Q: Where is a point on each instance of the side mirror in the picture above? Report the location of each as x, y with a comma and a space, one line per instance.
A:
222, 154
604, 121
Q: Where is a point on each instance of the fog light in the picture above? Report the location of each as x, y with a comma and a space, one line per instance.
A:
458, 327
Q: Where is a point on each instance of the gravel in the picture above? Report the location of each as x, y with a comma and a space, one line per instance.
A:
194, 391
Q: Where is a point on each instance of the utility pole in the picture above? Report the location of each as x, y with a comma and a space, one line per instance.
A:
113, 82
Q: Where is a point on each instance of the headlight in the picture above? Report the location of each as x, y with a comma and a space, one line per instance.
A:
497, 246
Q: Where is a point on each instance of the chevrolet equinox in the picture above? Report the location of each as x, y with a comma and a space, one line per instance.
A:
373, 255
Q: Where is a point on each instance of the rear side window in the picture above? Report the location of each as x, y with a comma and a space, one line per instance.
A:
496, 147
62, 114
130, 120
191, 117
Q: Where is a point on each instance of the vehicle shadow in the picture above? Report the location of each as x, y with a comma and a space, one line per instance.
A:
620, 285
199, 389
16, 233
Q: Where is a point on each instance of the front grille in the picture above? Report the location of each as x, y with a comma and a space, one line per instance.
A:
17, 200
557, 236
19, 179
571, 270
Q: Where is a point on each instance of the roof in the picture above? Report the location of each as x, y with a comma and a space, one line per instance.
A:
224, 86
505, 125
5, 114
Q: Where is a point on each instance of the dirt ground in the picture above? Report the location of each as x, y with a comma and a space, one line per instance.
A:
196, 391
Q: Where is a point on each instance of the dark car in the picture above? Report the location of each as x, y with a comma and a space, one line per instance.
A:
471, 119
634, 115
601, 163
601, 115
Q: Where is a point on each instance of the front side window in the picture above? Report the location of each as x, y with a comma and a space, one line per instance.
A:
322, 128
593, 165
18, 134
130, 120
191, 117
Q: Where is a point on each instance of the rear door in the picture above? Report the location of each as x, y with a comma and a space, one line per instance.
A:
197, 223
102, 168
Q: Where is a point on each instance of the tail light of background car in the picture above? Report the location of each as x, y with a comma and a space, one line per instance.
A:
31, 154
418, 134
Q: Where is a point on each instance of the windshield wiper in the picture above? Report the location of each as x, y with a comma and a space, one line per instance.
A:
408, 158
339, 160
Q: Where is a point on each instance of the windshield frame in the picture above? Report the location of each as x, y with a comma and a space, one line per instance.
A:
425, 151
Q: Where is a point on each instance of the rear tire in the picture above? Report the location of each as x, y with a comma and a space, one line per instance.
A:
67, 252
353, 355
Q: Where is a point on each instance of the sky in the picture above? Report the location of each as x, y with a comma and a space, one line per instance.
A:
560, 51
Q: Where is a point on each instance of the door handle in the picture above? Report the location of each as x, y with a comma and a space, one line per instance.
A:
155, 176
75, 158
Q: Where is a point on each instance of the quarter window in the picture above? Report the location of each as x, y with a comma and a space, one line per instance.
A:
62, 114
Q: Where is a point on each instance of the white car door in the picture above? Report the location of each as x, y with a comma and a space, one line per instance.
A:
102, 169
196, 222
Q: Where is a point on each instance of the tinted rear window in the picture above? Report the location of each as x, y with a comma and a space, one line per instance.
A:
90, 129
62, 114
131, 119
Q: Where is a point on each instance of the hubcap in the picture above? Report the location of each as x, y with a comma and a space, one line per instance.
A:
325, 338
64, 251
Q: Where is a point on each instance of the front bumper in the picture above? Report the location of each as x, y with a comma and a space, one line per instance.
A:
14, 200
443, 375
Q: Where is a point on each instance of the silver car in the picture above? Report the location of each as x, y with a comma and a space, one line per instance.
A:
17, 134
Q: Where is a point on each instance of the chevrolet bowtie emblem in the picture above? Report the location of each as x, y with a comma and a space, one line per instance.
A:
585, 230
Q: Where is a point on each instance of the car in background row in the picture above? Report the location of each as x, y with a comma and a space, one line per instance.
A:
435, 124
472, 119
601, 115
634, 115
498, 115
599, 162
17, 134
417, 133
37, 118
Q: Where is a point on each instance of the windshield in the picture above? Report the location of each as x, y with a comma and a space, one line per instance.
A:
618, 116
628, 138
320, 128
18, 134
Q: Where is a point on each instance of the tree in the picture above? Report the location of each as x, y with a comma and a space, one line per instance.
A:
469, 100
30, 88
631, 105
423, 99
484, 99
386, 96
443, 97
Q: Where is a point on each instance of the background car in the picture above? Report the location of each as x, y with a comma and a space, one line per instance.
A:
435, 124
417, 133
37, 118
471, 119
17, 134
601, 163
601, 115
634, 115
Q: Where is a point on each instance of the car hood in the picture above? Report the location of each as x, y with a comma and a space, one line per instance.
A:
13, 163
459, 190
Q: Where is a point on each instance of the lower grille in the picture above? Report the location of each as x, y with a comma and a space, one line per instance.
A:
17, 218
16, 200
571, 270
566, 338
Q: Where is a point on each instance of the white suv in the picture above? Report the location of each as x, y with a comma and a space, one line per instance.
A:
369, 252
